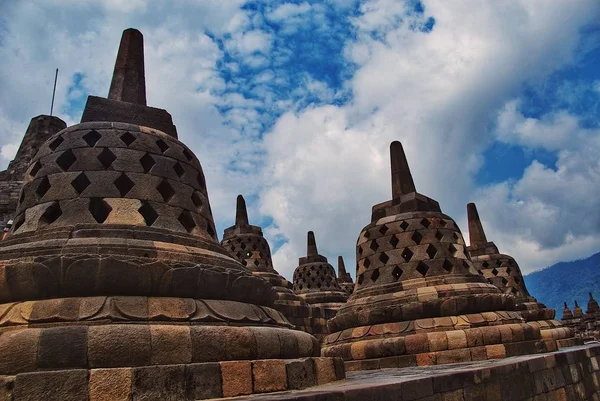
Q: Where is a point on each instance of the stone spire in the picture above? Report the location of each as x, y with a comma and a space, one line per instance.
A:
567, 314
577, 311
402, 181
241, 214
592, 306
344, 278
476, 233
128, 80
311, 247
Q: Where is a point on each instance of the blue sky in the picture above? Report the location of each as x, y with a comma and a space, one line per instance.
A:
294, 103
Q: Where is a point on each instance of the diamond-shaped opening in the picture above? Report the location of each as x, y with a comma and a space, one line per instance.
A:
92, 137
56, 143
495, 271
452, 249
480, 272
187, 221
80, 183
422, 268
508, 270
148, 213
407, 254
66, 160
485, 264
504, 280
35, 169
238, 255
106, 157
244, 247
162, 145
100, 209
375, 275
52, 213
124, 184
360, 250
22, 196
384, 258
196, 200
42, 187
187, 155
383, 229
447, 265
431, 251
443, 223
374, 246
232, 248
147, 162
166, 190
425, 223
394, 241
439, 235
517, 280
256, 262
201, 181
178, 170
128, 138
465, 264
514, 290
361, 278
498, 263
367, 234
397, 272
417, 237
367, 263
404, 225
210, 230
455, 236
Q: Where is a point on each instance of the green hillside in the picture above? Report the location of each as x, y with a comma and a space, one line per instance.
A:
566, 281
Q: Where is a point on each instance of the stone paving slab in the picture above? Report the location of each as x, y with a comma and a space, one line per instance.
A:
568, 374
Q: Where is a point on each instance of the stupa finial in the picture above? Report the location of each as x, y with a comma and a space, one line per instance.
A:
402, 181
128, 81
341, 268
241, 213
311, 249
476, 233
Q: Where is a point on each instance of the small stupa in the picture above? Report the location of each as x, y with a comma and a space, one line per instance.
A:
113, 284
315, 279
418, 299
504, 272
592, 305
344, 278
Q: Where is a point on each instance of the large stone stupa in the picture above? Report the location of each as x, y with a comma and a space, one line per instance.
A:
504, 272
113, 284
418, 299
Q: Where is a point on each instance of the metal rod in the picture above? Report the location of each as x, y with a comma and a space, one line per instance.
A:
54, 91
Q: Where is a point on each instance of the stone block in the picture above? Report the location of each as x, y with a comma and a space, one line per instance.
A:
19, 350
416, 389
456, 339
416, 343
65, 385
171, 344
110, 384
426, 359
300, 373
120, 345
7, 383
160, 382
495, 351
438, 341
203, 380
63, 347
270, 375
236, 378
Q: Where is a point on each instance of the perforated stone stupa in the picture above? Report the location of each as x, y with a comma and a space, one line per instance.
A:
418, 299
113, 284
315, 279
504, 272
344, 278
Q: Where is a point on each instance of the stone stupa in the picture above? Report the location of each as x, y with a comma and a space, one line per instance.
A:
113, 284
315, 279
504, 272
418, 299
344, 278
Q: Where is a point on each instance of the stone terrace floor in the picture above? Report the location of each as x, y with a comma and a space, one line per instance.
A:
567, 374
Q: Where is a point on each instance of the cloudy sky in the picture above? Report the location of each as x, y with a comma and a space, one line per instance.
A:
294, 103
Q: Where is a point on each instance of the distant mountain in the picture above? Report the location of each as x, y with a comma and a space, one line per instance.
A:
566, 281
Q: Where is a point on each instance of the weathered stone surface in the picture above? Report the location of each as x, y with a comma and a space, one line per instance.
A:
237, 378
110, 384
159, 383
269, 376
68, 385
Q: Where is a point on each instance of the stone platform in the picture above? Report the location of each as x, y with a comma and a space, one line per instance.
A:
568, 374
